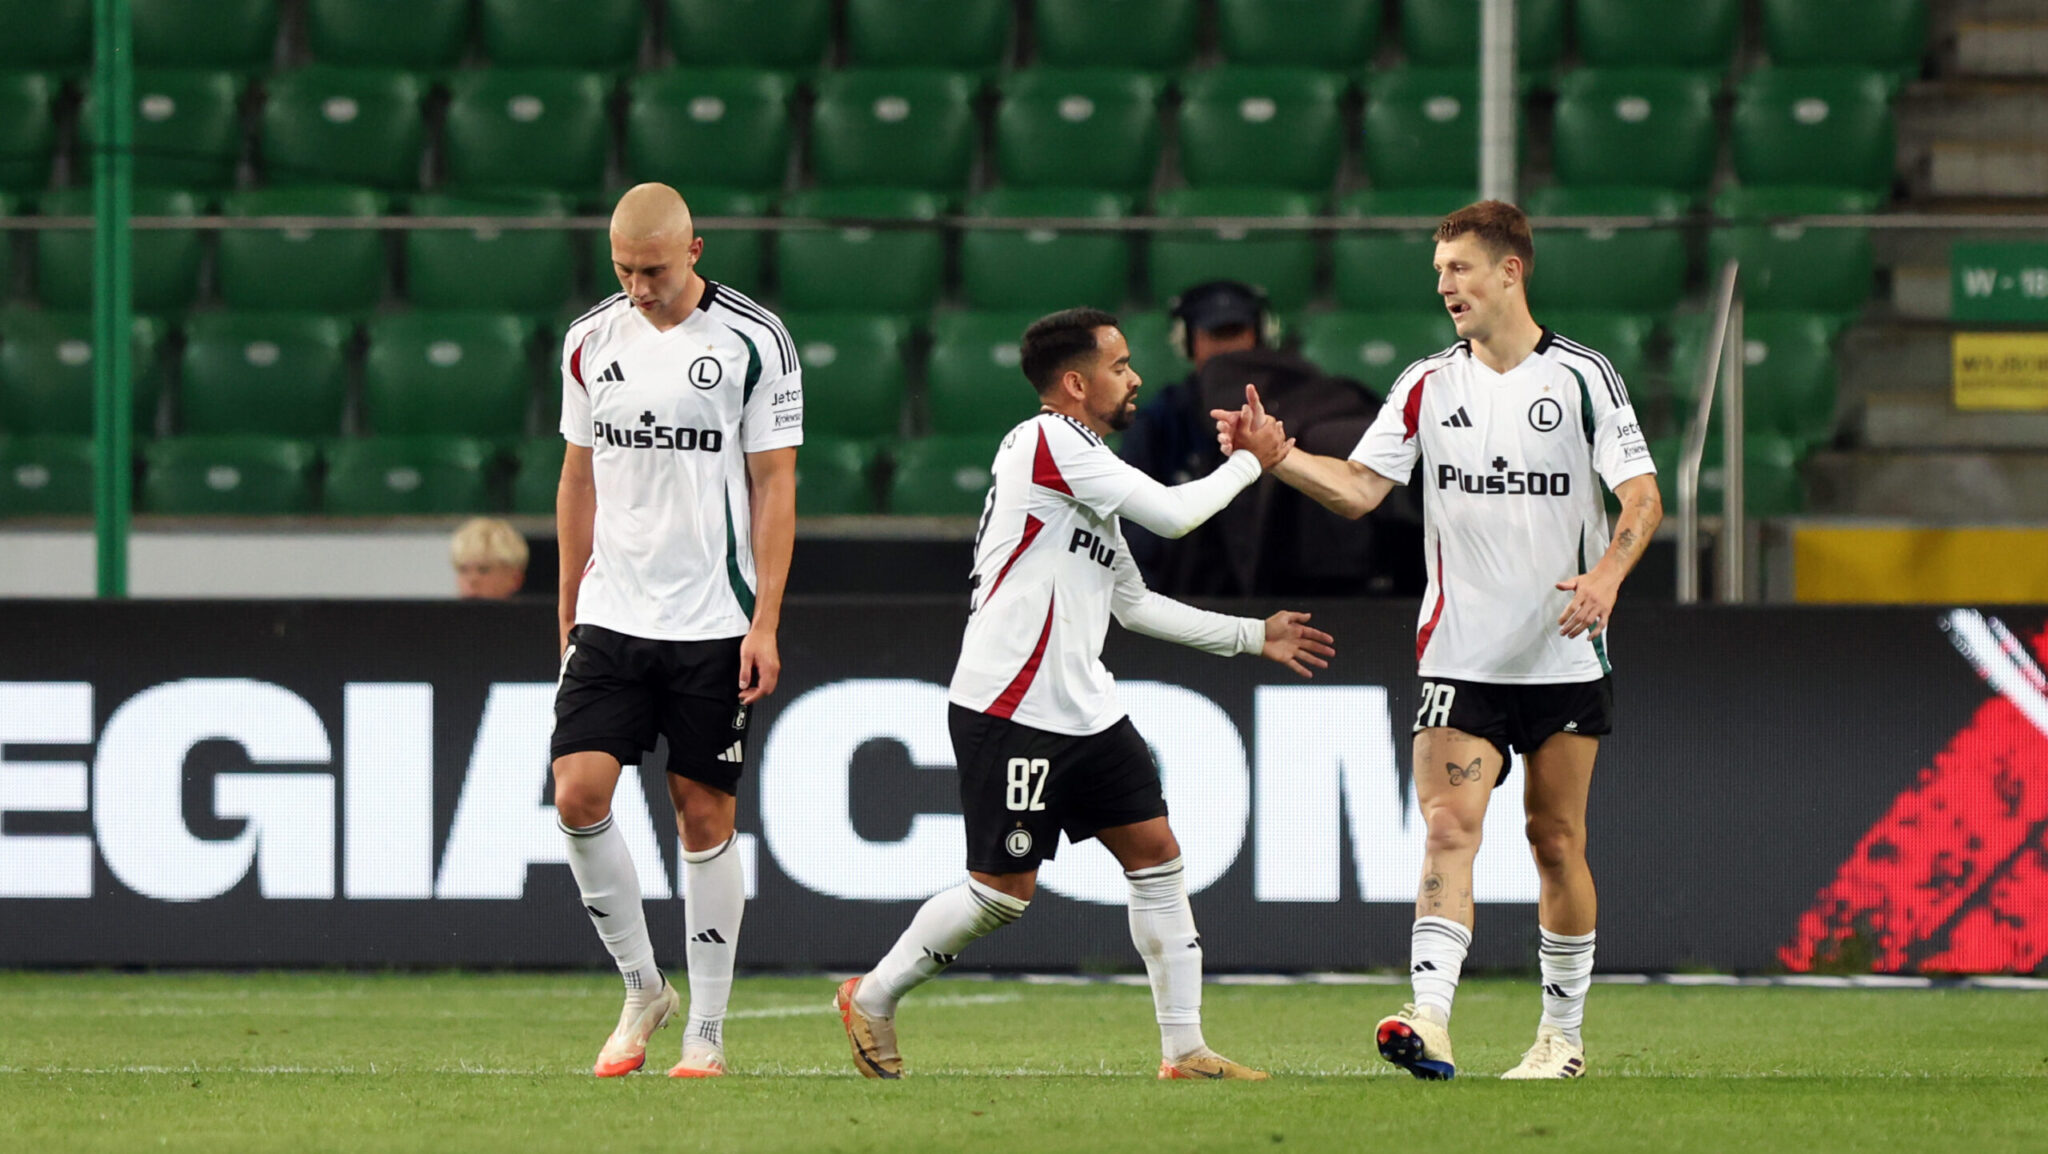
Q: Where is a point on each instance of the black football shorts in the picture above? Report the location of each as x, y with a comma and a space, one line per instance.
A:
1518, 717
1021, 787
619, 693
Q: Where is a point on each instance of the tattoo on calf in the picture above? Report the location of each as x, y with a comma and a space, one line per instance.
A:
1460, 774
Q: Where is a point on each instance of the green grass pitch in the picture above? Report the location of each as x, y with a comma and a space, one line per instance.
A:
499, 1063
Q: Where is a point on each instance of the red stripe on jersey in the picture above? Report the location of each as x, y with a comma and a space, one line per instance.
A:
1422, 638
576, 367
1031, 527
1020, 684
1411, 413
1045, 471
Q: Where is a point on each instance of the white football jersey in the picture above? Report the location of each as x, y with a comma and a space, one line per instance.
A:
1049, 565
1511, 470
669, 418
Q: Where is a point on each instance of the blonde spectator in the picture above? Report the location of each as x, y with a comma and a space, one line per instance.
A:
490, 559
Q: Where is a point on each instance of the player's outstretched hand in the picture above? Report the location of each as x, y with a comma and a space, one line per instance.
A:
760, 665
1251, 428
1592, 605
1291, 642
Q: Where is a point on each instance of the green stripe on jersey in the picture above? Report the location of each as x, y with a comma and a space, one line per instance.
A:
754, 367
1599, 642
1585, 402
741, 591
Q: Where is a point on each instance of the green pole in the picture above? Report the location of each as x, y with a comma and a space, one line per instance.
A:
112, 307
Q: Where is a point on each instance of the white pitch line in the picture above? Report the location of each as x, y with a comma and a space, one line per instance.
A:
828, 1008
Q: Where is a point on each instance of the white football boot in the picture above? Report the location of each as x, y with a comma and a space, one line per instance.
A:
1417, 1043
626, 1050
1553, 1056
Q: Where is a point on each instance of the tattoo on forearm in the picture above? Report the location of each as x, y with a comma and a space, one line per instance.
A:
1625, 543
1460, 774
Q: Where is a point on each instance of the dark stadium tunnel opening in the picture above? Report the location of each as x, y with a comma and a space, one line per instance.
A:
886, 790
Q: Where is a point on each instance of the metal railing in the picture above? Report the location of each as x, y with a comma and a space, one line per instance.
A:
1725, 355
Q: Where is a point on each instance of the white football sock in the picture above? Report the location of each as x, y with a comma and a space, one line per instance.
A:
942, 928
715, 898
1436, 955
611, 896
1163, 928
1566, 961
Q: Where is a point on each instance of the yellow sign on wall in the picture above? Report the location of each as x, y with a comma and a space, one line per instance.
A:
1898, 565
2001, 370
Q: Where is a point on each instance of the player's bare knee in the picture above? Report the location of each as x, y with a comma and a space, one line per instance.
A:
704, 830
1556, 842
579, 806
1450, 830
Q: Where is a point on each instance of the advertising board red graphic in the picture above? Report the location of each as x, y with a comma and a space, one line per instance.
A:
1954, 877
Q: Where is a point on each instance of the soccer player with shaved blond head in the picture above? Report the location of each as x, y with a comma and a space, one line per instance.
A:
682, 403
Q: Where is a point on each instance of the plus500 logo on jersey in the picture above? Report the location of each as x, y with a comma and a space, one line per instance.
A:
1506, 481
658, 437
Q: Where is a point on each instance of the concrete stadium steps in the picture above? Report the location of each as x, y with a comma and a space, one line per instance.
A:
1930, 487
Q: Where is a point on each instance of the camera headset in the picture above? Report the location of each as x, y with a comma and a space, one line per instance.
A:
1265, 324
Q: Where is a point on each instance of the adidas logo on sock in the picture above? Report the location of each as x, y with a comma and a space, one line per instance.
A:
596, 913
709, 938
1457, 420
942, 959
1421, 966
614, 373
1554, 990
734, 752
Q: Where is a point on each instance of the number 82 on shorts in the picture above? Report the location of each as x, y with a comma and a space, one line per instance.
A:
1026, 784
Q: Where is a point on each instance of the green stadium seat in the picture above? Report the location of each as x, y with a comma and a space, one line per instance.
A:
1044, 269
853, 372
1422, 128
1339, 34
1265, 127
272, 373
1658, 33
1614, 269
1884, 34
526, 128
301, 270
1153, 354
1155, 35
350, 125
539, 474
245, 476
165, 262
28, 131
1788, 377
1062, 128
55, 34
521, 270
834, 477
239, 34
1282, 263
726, 128
731, 255
1814, 126
1445, 33
879, 270
188, 128
791, 35
408, 476
894, 128
1375, 347
967, 34
1622, 337
46, 476
1790, 267
46, 373
588, 34
1771, 486
1635, 127
973, 384
423, 34
941, 476
1391, 271
455, 373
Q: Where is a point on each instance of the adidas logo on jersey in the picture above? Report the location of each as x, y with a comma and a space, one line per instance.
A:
733, 752
1458, 420
614, 373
